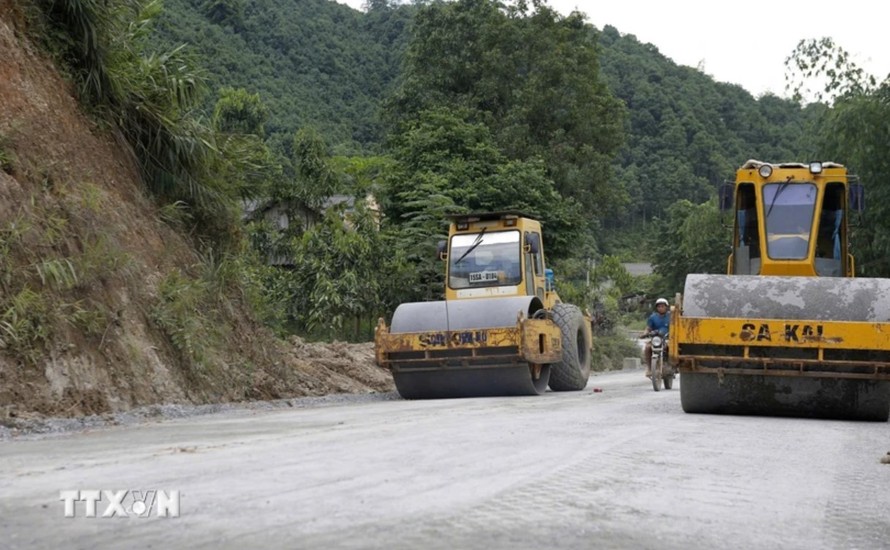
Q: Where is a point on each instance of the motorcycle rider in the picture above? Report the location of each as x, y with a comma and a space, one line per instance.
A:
658, 323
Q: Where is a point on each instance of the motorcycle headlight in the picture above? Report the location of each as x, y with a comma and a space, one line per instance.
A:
657, 341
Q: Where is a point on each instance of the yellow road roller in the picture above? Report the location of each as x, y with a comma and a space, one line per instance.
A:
501, 330
788, 331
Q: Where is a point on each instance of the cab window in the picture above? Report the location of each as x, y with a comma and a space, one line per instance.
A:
484, 259
788, 209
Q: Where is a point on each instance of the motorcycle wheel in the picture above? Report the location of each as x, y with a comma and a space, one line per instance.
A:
656, 374
668, 381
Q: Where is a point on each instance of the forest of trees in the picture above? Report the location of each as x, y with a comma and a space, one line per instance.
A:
434, 108
313, 62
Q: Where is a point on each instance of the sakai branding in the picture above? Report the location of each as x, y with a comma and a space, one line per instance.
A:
790, 333
122, 503
454, 338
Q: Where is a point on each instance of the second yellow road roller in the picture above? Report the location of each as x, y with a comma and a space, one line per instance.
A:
502, 328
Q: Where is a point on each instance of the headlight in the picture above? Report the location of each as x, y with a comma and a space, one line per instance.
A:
657, 341
765, 171
815, 167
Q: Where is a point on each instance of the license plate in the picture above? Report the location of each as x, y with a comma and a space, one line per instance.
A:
483, 276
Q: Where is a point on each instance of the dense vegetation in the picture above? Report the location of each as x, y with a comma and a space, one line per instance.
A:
436, 108
313, 62
855, 130
686, 132
58, 261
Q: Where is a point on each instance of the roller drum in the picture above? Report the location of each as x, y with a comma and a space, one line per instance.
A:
462, 314
490, 376
494, 381
834, 398
792, 299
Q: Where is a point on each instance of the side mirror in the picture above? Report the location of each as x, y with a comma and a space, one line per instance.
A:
533, 243
857, 197
727, 192
442, 250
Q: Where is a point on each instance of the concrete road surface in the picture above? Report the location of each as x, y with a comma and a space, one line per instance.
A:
620, 468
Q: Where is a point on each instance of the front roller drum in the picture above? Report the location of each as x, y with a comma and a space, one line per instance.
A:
470, 382
806, 397
822, 390
487, 372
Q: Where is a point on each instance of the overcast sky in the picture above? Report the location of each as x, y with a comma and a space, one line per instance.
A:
745, 43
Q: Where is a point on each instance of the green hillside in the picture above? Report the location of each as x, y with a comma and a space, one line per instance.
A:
686, 132
323, 64
313, 62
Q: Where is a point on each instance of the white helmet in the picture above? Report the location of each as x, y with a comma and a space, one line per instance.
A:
660, 301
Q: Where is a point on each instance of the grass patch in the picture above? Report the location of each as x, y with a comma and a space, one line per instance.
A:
8, 160
180, 314
57, 273
43, 291
92, 197
176, 214
25, 325
89, 317
102, 259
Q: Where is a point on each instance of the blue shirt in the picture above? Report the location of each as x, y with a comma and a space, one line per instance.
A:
659, 323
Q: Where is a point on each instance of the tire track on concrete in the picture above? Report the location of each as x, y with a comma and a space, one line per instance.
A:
631, 490
849, 524
565, 508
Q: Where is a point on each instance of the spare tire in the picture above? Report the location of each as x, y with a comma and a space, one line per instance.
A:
572, 372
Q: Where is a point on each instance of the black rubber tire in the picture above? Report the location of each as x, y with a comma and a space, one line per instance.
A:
656, 376
572, 373
668, 381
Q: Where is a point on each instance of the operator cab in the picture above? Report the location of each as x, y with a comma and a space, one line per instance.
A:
789, 219
495, 254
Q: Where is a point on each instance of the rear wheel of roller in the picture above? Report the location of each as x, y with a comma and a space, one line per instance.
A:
572, 373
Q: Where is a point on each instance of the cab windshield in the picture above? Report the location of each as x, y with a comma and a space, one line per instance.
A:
789, 209
484, 259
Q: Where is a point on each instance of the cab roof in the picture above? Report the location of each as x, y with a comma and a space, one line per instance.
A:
486, 216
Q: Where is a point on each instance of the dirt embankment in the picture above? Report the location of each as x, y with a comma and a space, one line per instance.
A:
87, 267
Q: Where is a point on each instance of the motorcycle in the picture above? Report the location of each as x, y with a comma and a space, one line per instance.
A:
662, 373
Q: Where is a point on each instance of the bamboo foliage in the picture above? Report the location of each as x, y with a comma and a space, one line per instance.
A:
153, 97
